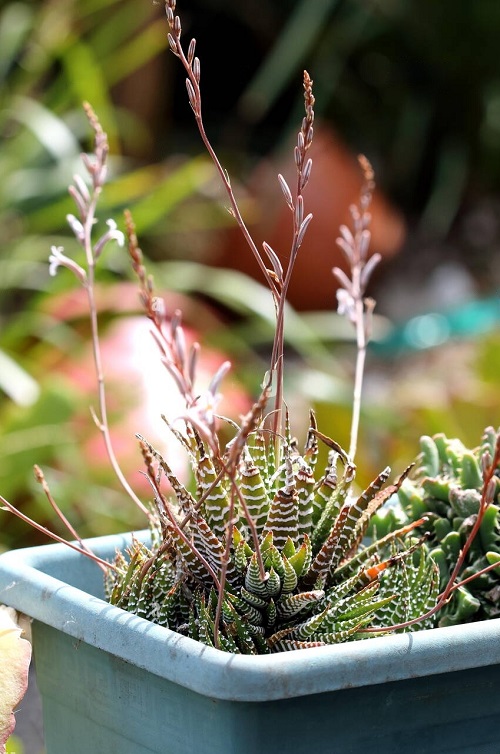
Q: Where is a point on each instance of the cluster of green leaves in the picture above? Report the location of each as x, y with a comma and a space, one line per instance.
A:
319, 583
446, 486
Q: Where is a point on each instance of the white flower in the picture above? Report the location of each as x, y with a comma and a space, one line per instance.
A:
55, 259
346, 306
112, 234
203, 411
58, 259
205, 408
115, 233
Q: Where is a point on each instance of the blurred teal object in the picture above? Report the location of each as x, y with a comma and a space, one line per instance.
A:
436, 328
112, 682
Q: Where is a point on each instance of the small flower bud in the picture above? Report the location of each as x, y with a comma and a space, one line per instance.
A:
170, 15
191, 49
303, 228
286, 191
306, 174
77, 228
191, 94
172, 43
196, 69
299, 211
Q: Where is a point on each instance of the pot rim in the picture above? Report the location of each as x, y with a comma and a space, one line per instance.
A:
27, 583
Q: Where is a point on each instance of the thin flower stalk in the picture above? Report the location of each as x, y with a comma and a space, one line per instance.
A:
191, 64
166, 509
40, 478
352, 302
179, 361
86, 203
103, 564
300, 224
278, 282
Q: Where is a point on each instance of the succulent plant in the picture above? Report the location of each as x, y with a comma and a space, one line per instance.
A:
306, 581
446, 486
269, 551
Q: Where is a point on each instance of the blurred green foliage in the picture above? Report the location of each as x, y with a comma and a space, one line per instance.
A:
14, 746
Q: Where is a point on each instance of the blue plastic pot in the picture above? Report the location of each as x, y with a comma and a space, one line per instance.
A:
112, 683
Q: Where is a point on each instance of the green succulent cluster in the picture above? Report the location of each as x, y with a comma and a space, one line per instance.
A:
320, 584
446, 486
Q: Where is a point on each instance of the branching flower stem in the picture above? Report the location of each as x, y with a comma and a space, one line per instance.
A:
352, 302
278, 284
40, 478
191, 65
300, 225
86, 199
87, 203
180, 533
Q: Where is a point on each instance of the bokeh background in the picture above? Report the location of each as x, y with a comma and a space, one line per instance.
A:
413, 84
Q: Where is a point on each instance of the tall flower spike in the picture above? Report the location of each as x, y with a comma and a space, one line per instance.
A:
350, 294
